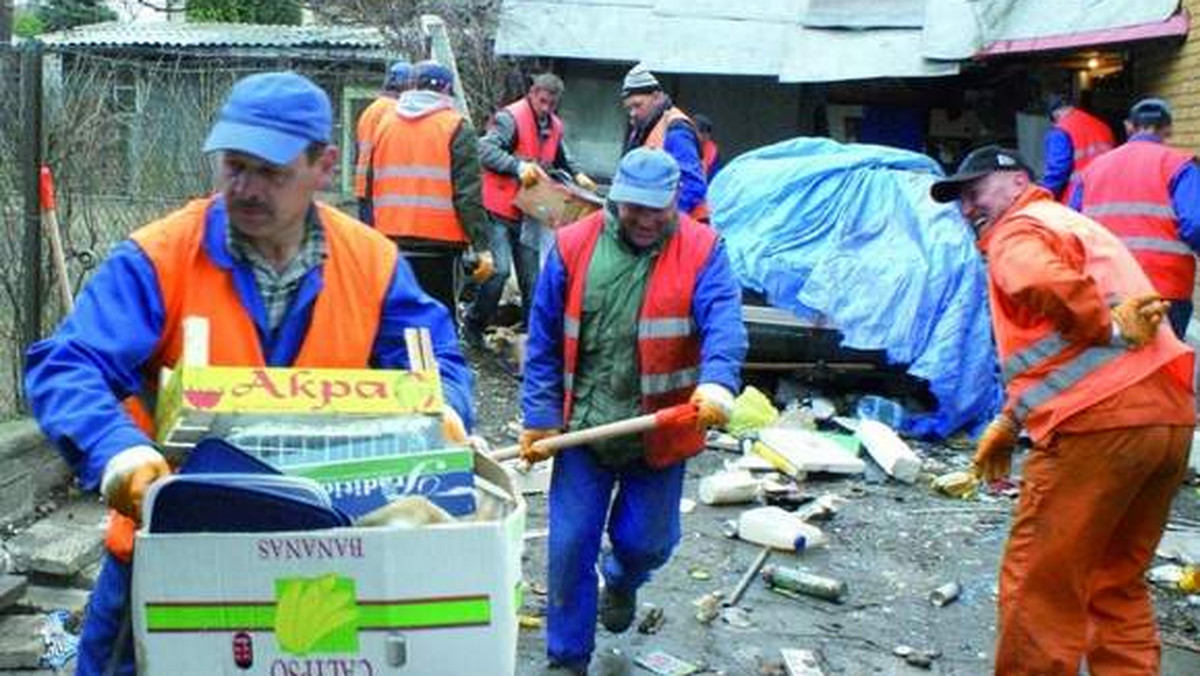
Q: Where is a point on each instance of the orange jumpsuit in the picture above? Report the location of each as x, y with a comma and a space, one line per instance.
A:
1096, 488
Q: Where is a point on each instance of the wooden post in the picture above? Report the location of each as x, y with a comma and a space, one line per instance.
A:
30, 170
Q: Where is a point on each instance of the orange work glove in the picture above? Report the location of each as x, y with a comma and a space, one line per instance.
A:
584, 181
714, 405
529, 173
485, 268
127, 477
529, 436
1137, 319
993, 453
453, 429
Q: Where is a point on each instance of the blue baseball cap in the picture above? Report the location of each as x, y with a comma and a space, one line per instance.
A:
399, 76
273, 116
433, 76
647, 177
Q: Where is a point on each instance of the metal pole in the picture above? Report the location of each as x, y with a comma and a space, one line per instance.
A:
30, 167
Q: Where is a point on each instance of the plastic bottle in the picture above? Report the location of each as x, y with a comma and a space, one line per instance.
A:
729, 488
800, 582
779, 529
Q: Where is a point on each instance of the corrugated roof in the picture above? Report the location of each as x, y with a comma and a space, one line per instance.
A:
219, 35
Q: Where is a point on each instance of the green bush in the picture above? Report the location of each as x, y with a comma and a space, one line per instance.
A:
26, 24
245, 11
57, 15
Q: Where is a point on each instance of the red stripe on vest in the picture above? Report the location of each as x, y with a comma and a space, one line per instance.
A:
499, 190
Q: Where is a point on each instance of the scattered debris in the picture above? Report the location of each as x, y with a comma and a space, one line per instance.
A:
60, 645
687, 506
708, 607
653, 621
811, 451
752, 411
729, 488
665, 664
12, 588
780, 529
889, 451
738, 618
945, 594
21, 645
800, 662
699, 574
529, 621
958, 484
793, 581
748, 576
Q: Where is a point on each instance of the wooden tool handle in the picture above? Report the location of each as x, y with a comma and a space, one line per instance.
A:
681, 414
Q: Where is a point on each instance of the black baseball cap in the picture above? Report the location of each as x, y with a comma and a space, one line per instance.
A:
1152, 112
977, 164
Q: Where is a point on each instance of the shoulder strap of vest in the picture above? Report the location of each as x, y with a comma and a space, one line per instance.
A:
573, 238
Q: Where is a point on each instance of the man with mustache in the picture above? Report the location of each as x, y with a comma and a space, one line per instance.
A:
282, 280
637, 309
1105, 391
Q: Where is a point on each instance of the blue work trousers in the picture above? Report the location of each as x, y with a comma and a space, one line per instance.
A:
1180, 315
107, 612
643, 527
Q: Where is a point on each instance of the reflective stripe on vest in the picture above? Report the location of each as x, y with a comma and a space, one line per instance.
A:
668, 342
1128, 192
499, 190
364, 133
412, 189
662, 383
1048, 379
1064, 376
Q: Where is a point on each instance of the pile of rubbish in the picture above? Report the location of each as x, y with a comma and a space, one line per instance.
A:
847, 236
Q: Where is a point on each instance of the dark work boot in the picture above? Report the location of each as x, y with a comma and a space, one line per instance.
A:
554, 669
617, 609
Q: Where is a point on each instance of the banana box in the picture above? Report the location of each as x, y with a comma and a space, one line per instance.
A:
436, 600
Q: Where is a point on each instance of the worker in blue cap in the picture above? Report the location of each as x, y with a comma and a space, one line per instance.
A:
637, 310
283, 281
1148, 194
398, 80
425, 184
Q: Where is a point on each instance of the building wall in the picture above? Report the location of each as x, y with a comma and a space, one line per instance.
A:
747, 112
1170, 71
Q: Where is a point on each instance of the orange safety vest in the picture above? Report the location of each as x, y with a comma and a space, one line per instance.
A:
412, 189
1049, 379
1128, 191
658, 135
364, 133
1090, 138
499, 190
668, 339
356, 276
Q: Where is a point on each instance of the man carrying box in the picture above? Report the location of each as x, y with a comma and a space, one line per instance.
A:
282, 280
637, 310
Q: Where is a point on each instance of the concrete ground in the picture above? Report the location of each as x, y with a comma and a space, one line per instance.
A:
891, 543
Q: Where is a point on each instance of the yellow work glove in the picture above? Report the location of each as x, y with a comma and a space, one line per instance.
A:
993, 453
485, 268
128, 476
529, 436
1137, 319
453, 429
529, 173
714, 405
584, 181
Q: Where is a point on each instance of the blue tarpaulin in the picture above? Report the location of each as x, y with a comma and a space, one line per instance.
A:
849, 234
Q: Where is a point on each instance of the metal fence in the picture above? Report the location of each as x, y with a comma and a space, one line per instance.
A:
122, 134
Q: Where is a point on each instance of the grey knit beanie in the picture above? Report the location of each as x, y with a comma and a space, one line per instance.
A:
639, 80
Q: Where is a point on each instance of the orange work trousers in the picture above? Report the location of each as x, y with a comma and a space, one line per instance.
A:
1091, 512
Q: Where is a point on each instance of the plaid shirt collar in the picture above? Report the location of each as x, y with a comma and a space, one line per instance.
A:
277, 288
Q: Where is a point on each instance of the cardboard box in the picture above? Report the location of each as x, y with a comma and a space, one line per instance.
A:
555, 204
195, 397
363, 463
434, 601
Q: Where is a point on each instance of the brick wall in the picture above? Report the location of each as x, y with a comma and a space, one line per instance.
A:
1173, 72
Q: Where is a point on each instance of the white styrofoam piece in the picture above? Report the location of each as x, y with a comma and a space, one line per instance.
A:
810, 451
889, 450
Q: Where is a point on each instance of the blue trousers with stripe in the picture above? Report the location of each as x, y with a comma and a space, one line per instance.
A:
640, 508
